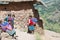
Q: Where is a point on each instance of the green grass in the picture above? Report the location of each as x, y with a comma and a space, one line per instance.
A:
25, 30
50, 18
37, 36
53, 27
50, 25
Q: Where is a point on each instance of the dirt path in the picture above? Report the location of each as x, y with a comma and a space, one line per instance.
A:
50, 35
21, 36
24, 35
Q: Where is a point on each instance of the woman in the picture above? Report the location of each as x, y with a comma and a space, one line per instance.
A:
6, 27
30, 25
10, 30
9, 17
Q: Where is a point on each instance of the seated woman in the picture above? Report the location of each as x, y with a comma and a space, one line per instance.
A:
6, 27
10, 30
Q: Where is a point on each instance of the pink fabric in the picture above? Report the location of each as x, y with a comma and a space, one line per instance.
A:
9, 27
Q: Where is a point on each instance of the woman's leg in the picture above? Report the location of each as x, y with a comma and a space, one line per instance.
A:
13, 36
33, 31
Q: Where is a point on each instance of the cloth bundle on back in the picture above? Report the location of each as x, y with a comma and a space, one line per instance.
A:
4, 25
8, 28
34, 19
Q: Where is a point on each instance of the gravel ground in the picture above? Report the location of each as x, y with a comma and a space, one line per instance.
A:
50, 35
24, 36
21, 36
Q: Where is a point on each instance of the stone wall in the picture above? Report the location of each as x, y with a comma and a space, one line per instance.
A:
21, 11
